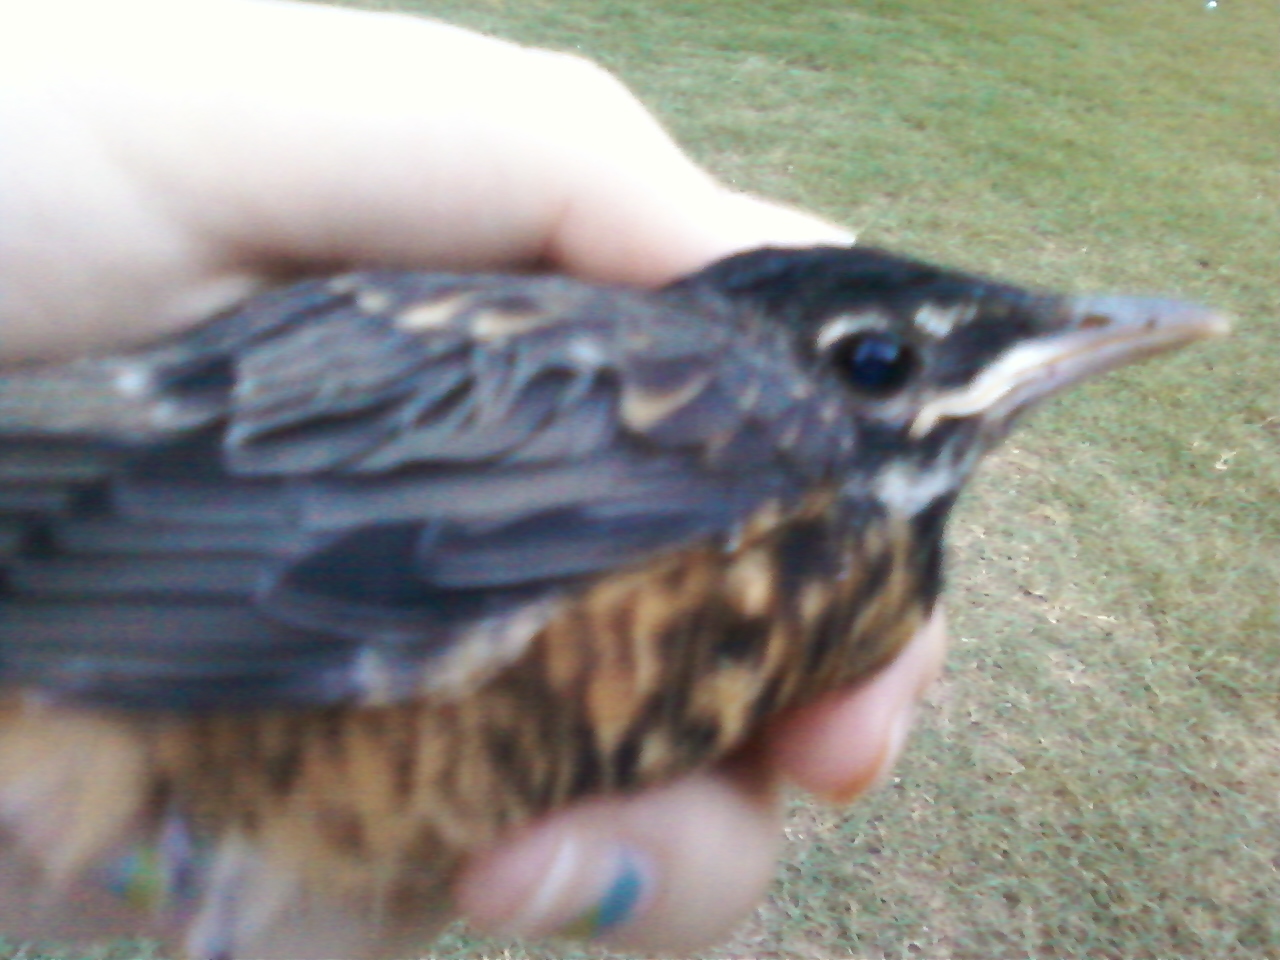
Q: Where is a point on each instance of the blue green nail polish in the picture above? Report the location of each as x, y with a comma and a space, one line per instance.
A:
619, 902
160, 875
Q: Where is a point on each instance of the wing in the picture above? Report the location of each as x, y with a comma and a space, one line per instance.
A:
373, 486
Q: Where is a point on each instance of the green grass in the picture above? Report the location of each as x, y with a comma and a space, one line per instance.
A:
1098, 774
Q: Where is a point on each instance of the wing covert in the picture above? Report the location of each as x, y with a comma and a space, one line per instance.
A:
329, 493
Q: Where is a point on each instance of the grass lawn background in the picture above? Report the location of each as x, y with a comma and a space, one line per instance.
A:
1098, 774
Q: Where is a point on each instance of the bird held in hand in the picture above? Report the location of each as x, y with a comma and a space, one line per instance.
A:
302, 606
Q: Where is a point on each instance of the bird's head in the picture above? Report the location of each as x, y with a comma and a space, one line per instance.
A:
935, 364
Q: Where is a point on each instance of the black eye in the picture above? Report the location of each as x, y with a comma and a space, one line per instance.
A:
875, 362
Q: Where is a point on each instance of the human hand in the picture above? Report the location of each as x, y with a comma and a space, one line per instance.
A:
165, 157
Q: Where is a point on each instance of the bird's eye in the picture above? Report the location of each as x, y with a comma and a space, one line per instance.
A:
874, 362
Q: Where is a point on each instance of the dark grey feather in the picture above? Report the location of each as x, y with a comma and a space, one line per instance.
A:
368, 470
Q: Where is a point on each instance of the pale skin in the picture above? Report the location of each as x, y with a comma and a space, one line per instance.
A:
164, 157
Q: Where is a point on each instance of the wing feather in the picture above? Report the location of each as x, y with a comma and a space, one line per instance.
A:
331, 492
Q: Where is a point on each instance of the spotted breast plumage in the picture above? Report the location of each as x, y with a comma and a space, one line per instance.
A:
314, 599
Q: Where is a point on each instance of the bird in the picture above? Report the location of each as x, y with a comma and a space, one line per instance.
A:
304, 605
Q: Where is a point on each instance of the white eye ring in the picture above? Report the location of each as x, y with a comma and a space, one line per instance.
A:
843, 324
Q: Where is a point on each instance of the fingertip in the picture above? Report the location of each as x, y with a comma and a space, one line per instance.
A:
748, 221
555, 879
670, 870
846, 744
654, 231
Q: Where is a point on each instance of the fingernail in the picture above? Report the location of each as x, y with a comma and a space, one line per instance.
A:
894, 742
620, 902
585, 893
160, 875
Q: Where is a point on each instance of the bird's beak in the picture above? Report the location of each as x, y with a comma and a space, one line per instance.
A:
1093, 334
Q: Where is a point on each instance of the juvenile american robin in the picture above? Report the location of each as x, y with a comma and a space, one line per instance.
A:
304, 605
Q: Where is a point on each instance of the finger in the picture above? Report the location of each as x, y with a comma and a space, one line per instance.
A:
668, 871
847, 744
150, 184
